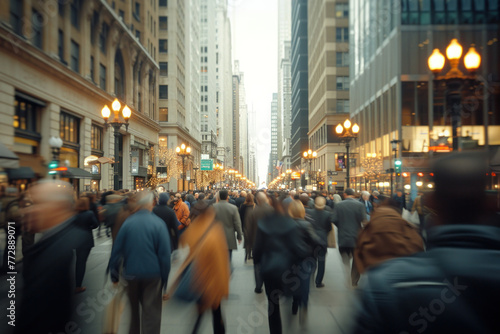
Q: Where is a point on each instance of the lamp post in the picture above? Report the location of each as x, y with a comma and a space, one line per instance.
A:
347, 131
394, 144
56, 144
309, 155
454, 79
116, 124
289, 178
183, 151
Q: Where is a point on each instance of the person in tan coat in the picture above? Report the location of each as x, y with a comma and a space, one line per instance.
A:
386, 236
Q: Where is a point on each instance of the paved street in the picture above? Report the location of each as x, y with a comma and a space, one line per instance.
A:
245, 312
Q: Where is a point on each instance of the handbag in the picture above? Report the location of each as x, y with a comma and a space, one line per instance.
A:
331, 241
114, 310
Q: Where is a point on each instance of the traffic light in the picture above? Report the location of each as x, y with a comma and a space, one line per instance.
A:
397, 166
55, 169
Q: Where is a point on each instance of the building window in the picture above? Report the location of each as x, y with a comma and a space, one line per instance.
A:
69, 126
342, 59
163, 45
342, 10
138, 35
92, 74
164, 68
16, 13
75, 56
342, 106
60, 6
342, 34
163, 115
26, 117
121, 14
60, 46
36, 25
342, 83
163, 23
163, 3
96, 138
103, 37
137, 12
102, 76
93, 25
75, 11
164, 92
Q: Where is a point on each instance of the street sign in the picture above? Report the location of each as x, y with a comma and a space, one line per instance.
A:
205, 157
295, 175
331, 173
207, 164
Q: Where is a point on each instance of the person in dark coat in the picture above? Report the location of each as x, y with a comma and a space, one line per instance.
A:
400, 198
262, 210
349, 215
321, 221
87, 221
47, 299
246, 209
168, 216
240, 200
453, 287
278, 247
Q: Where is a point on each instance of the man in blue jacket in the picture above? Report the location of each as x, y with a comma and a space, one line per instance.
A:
144, 247
453, 287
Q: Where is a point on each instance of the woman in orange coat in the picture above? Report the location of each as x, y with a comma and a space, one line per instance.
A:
209, 262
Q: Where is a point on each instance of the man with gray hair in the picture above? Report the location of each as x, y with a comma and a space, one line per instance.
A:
144, 247
365, 200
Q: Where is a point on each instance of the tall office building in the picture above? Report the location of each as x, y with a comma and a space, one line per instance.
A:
394, 96
62, 62
299, 81
179, 63
252, 139
286, 108
223, 98
244, 152
236, 119
284, 84
208, 81
328, 38
273, 155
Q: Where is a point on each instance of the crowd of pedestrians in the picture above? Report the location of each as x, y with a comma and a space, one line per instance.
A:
397, 266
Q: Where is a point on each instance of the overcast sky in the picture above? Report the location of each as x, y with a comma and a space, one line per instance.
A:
254, 30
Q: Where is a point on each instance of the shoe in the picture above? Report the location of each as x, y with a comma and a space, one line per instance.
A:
80, 289
320, 285
295, 308
257, 290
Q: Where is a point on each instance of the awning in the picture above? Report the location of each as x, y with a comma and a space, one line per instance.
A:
21, 173
35, 162
7, 158
77, 173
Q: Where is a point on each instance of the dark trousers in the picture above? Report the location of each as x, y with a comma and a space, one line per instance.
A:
218, 323
321, 259
82, 254
301, 295
273, 291
258, 278
147, 293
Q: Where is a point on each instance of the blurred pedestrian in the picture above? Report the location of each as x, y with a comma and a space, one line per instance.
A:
261, 211
288, 200
278, 247
386, 236
170, 219
47, 299
209, 263
453, 287
240, 200
110, 211
87, 221
321, 220
229, 216
310, 241
143, 246
349, 215
245, 212
365, 200
400, 198
181, 211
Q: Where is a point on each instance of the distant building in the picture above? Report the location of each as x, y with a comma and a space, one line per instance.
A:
273, 157
299, 71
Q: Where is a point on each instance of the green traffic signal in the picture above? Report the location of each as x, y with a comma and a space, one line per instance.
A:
397, 165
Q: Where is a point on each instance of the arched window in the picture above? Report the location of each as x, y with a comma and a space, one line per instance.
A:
119, 76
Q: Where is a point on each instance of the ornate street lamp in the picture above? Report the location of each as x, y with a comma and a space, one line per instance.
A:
183, 151
454, 79
116, 123
310, 155
347, 132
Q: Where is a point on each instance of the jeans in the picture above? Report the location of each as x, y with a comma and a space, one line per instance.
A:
273, 291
